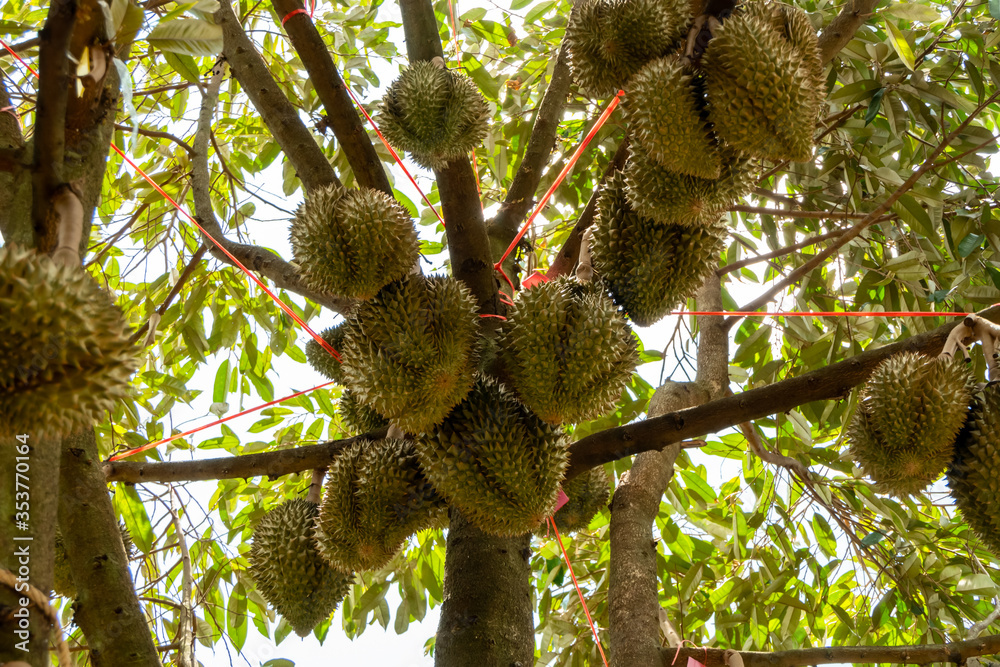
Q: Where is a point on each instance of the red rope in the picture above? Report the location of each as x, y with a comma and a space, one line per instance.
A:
579, 592
319, 339
395, 155
751, 313
152, 445
300, 10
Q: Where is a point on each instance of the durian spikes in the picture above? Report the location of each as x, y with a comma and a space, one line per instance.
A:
376, 498
352, 242
909, 414
588, 494
411, 352
764, 82
650, 268
357, 417
321, 360
65, 355
666, 196
662, 109
288, 569
610, 40
974, 473
496, 461
568, 351
433, 113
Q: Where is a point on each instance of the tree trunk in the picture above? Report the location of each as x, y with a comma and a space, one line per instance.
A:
106, 609
487, 617
30, 485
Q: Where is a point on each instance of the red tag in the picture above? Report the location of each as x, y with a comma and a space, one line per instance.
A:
561, 499
694, 663
534, 279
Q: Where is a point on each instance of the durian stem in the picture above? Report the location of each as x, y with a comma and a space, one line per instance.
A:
316, 486
584, 266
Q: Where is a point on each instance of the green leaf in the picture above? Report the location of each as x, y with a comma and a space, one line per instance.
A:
188, 36
911, 11
874, 106
221, 389
994, 275
134, 515
994, 6
970, 244
183, 65
279, 662
871, 539
976, 583
900, 45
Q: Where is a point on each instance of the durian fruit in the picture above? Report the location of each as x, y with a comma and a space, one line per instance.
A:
910, 411
63, 583
376, 498
321, 360
663, 115
650, 268
496, 461
288, 570
411, 352
352, 242
568, 351
764, 82
65, 355
433, 113
357, 417
610, 40
974, 473
667, 196
588, 493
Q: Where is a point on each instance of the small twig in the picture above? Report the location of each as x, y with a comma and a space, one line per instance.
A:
174, 291
185, 622
780, 252
157, 134
794, 466
782, 213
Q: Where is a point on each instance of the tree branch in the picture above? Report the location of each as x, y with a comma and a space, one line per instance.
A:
780, 252
833, 381
267, 263
841, 29
174, 291
871, 218
783, 213
955, 652
157, 134
281, 118
332, 92
520, 196
265, 464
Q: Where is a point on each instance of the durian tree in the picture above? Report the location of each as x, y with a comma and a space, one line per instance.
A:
735, 490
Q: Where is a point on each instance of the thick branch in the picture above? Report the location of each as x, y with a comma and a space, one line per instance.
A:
956, 652
266, 464
833, 381
54, 87
871, 218
332, 92
263, 261
840, 30
543, 139
281, 118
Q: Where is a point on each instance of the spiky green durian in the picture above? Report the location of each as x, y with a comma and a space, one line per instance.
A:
433, 113
974, 473
496, 461
568, 351
909, 413
649, 267
588, 493
662, 108
352, 242
321, 360
62, 582
376, 498
411, 351
288, 570
667, 196
610, 40
357, 417
763, 83
65, 355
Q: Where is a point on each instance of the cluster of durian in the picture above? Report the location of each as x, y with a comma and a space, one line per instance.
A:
434, 114
352, 243
376, 497
974, 473
288, 569
587, 494
65, 355
909, 415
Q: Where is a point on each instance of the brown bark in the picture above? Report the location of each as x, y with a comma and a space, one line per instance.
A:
840, 30
633, 592
106, 608
281, 118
